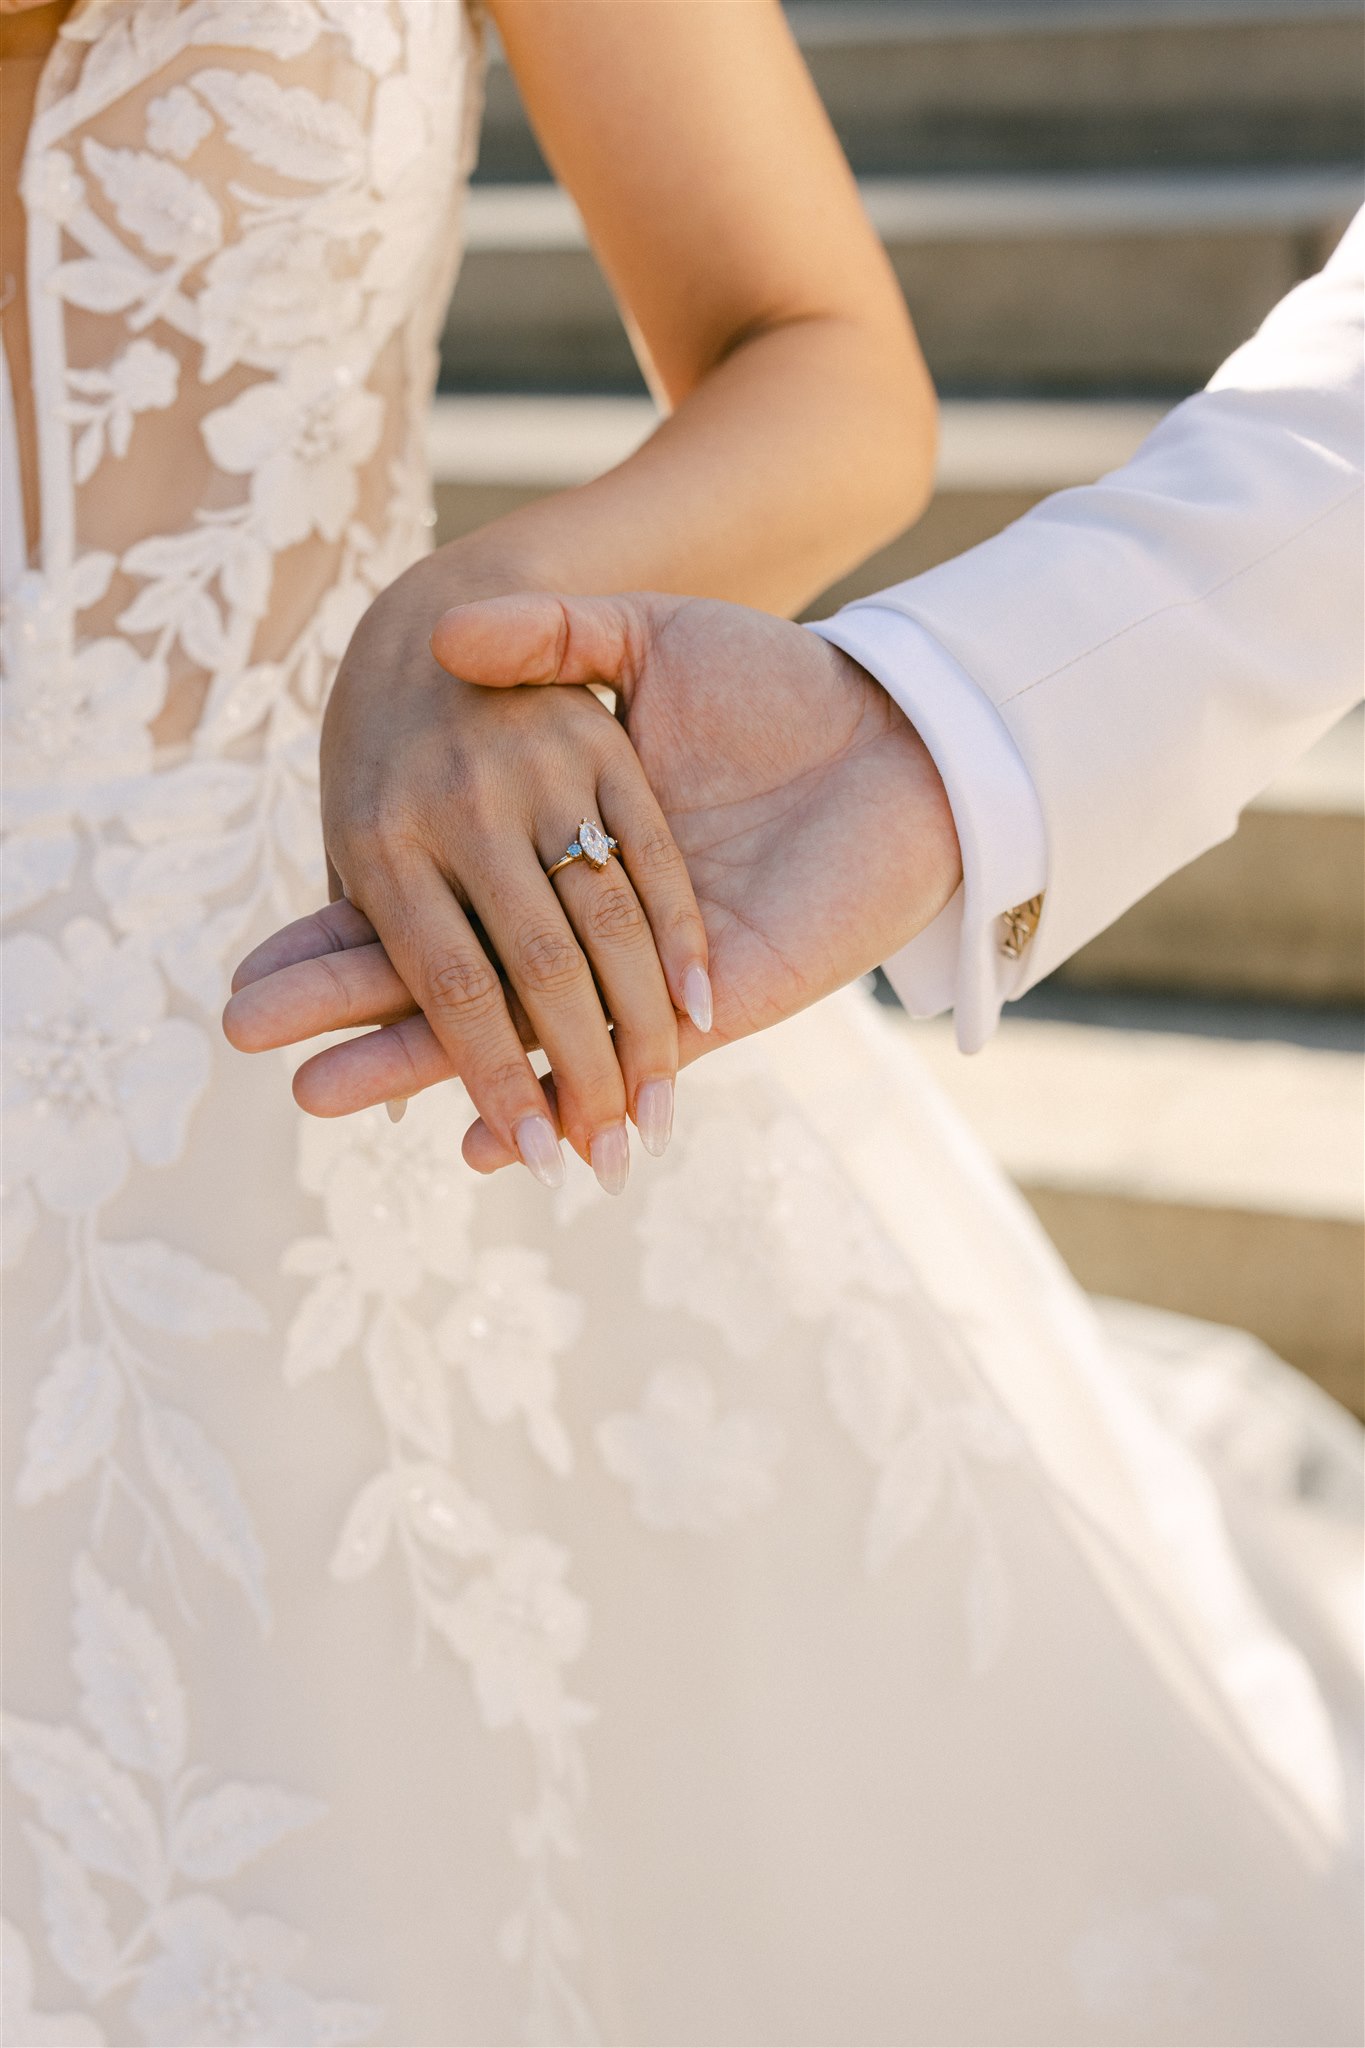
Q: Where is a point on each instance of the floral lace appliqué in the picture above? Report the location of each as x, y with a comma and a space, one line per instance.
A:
130, 1836
242, 231
688, 1466
400, 1211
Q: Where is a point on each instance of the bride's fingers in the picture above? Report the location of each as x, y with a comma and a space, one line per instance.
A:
327, 992
487, 1154
526, 923
436, 952
658, 871
614, 931
333, 930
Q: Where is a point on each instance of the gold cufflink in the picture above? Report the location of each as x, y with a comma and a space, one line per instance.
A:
1017, 926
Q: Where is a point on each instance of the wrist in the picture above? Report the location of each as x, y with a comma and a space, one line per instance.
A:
922, 805
482, 564
390, 644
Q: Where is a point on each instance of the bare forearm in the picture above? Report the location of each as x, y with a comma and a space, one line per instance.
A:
792, 460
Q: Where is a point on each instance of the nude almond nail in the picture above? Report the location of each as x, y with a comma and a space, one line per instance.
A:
654, 1116
697, 997
609, 1152
539, 1150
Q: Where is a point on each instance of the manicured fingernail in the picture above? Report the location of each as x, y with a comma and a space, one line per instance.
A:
539, 1149
697, 997
654, 1116
610, 1156
397, 1108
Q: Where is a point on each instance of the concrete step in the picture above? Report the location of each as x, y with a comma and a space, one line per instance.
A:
1057, 84
542, 440
997, 458
1276, 913
1219, 1177
1068, 282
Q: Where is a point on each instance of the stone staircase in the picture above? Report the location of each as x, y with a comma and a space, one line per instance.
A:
1008, 85
1088, 203
1050, 282
1206, 1158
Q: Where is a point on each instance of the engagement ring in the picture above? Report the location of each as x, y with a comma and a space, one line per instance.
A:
593, 844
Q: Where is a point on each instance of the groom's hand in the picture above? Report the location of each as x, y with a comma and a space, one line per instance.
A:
813, 822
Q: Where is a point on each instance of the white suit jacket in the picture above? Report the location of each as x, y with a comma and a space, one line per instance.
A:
1105, 684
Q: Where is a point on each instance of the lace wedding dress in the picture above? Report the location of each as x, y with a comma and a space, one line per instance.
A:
757, 1610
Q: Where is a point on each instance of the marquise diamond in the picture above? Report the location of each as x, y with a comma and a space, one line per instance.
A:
595, 845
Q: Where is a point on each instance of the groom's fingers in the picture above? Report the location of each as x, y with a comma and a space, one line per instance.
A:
333, 930
487, 1154
535, 637
324, 992
396, 1062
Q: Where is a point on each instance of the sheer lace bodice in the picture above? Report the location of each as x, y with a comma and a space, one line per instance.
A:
243, 221
756, 1610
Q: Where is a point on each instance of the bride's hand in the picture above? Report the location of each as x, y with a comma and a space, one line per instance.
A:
443, 804
813, 821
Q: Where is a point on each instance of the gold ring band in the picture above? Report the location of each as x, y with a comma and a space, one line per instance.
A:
594, 844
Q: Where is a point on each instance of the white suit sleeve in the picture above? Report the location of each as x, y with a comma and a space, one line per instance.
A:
956, 963
1158, 644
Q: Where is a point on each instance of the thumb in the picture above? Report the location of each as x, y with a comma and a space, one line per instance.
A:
536, 637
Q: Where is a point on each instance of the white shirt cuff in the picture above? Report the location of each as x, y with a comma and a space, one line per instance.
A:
956, 962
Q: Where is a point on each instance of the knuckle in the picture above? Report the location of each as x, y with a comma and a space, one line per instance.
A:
463, 988
546, 960
504, 1080
380, 837
681, 920
656, 854
334, 991
614, 914
447, 799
